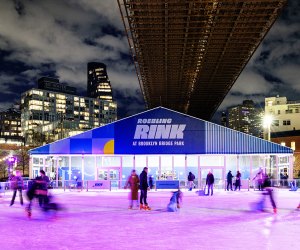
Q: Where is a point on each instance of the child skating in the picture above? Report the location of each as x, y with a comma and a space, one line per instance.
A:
175, 201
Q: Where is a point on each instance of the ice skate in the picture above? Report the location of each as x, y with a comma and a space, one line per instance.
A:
142, 207
28, 212
146, 207
130, 207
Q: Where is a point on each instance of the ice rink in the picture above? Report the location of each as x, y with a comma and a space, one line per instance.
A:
102, 220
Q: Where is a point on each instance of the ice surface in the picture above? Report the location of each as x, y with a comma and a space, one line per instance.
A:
101, 220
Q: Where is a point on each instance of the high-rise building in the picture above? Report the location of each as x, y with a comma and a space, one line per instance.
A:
48, 114
98, 84
10, 127
246, 118
224, 119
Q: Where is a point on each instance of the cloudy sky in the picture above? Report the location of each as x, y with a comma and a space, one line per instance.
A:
59, 37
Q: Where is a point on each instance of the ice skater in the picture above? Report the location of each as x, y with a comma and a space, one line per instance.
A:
210, 182
17, 185
43, 181
268, 191
238, 181
229, 180
144, 187
175, 201
35, 191
191, 178
259, 177
133, 183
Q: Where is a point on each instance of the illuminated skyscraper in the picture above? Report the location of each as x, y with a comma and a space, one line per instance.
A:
53, 111
98, 84
245, 118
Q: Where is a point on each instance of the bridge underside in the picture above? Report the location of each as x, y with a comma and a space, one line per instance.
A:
189, 53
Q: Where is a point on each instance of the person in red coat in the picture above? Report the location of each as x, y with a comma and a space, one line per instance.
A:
133, 183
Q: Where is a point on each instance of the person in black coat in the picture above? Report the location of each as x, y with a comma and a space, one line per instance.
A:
210, 179
238, 181
229, 180
268, 191
191, 178
43, 182
144, 187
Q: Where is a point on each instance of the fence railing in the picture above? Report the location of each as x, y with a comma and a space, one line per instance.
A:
110, 185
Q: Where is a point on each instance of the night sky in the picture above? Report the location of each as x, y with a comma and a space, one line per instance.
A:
59, 37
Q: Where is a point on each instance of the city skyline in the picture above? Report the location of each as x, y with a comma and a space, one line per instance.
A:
70, 34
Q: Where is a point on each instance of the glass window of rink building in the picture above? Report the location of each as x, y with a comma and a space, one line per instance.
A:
169, 143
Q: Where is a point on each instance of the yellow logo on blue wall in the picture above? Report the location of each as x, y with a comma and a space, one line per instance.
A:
109, 147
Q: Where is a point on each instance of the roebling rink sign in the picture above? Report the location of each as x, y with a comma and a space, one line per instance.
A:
159, 131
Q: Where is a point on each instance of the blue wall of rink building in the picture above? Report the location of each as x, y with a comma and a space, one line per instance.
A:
169, 143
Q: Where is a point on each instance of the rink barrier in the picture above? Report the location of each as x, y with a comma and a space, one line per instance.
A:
101, 184
119, 184
167, 184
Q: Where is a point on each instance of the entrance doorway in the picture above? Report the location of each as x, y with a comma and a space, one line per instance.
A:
218, 173
283, 176
110, 174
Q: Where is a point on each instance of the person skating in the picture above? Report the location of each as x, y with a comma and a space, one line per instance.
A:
229, 180
175, 201
144, 187
43, 182
17, 185
260, 178
133, 183
35, 191
238, 181
191, 178
210, 182
268, 190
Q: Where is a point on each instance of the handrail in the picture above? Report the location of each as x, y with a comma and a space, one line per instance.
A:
119, 184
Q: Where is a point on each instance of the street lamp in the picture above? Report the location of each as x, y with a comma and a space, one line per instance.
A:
11, 162
268, 119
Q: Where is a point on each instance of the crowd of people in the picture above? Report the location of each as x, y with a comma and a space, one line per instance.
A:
38, 188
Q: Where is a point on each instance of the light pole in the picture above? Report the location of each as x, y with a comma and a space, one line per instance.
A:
268, 119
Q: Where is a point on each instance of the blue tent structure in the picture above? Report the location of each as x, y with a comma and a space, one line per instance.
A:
160, 132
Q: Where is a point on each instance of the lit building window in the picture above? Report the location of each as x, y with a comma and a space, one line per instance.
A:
293, 145
282, 143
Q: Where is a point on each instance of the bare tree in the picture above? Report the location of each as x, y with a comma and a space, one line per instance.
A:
23, 160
